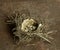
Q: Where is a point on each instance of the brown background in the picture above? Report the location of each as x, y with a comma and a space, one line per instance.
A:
49, 9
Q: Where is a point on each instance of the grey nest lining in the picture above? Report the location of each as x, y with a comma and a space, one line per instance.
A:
14, 22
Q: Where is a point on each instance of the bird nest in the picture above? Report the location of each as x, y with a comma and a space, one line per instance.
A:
26, 29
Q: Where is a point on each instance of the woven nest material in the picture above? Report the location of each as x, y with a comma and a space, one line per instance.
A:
25, 29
